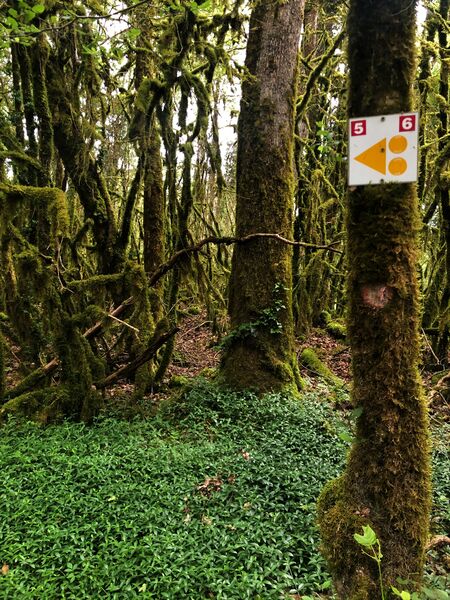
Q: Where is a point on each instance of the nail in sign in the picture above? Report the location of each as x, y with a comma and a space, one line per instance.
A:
383, 149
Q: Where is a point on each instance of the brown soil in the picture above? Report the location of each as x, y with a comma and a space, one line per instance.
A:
195, 348
196, 351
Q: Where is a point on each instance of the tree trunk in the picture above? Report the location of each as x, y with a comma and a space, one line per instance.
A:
154, 226
443, 193
83, 169
259, 353
387, 480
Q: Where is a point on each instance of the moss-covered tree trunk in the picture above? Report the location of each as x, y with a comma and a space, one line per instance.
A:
443, 193
260, 350
70, 140
154, 210
386, 482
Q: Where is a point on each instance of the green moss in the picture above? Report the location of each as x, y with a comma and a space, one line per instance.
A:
142, 319
208, 373
96, 282
265, 184
31, 380
2, 367
50, 200
24, 405
178, 381
387, 478
336, 330
83, 402
339, 518
268, 339
311, 361
266, 372
48, 405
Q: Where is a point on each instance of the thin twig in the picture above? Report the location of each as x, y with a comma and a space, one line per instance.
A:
123, 323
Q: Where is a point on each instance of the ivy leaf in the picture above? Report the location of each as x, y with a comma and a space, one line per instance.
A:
326, 585
29, 16
12, 22
369, 537
404, 595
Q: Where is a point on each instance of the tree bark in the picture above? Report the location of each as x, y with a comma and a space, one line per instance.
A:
387, 480
262, 357
443, 192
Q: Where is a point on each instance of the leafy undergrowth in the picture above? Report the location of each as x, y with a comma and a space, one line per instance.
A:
213, 498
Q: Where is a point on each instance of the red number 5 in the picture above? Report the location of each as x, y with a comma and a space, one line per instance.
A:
407, 123
358, 127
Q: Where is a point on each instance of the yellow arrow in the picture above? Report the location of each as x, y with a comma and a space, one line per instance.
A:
374, 157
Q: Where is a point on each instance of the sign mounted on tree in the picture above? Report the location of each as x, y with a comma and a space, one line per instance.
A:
383, 149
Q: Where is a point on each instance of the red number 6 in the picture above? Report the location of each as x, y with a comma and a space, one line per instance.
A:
407, 123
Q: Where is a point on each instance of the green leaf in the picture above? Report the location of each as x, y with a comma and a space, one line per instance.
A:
356, 413
29, 16
369, 537
435, 594
38, 8
90, 51
194, 7
13, 12
133, 33
12, 22
346, 437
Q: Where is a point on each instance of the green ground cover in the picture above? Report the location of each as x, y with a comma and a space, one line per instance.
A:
213, 498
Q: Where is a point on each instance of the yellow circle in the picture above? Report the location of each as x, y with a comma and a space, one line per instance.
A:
397, 166
398, 144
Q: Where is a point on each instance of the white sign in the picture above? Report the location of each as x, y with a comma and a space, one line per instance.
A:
383, 149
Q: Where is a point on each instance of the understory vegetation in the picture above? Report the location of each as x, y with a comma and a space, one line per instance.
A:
175, 203
214, 497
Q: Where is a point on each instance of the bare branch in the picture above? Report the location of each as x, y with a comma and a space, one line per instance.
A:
131, 367
167, 266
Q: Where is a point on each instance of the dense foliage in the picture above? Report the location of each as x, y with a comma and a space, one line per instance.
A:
119, 173
215, 497
130, 110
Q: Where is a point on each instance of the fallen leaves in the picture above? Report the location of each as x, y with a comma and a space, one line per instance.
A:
210, 485
214, 484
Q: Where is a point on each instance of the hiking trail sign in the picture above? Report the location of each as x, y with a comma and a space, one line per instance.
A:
383, 149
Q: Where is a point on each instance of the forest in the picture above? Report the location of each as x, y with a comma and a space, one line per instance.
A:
224, 359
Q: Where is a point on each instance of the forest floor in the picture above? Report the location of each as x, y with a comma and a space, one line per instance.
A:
196, 349
214, 497
196, 353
